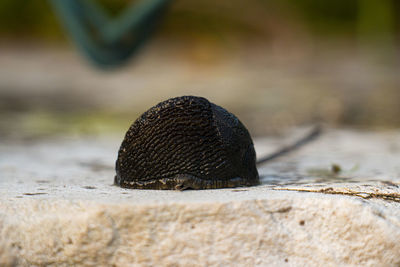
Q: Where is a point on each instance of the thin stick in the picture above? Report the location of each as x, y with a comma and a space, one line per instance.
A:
313, 134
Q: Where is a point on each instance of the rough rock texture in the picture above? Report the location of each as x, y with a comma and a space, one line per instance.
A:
58, 207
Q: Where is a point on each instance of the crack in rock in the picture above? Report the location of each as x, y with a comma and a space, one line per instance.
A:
365, 195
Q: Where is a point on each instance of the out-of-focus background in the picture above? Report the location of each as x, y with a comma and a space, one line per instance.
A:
275, 64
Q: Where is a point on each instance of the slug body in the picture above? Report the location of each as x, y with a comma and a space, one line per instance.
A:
186, 143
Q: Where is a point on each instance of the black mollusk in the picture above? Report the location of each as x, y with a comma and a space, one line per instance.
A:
186, 143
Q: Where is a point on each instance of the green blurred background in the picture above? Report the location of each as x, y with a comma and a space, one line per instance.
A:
225, 19
276, 64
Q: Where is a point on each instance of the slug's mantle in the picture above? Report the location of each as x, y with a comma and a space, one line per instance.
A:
186, 143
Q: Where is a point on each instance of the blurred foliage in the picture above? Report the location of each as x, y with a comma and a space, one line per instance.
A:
251, 18
28, 18
328, 16
377, 20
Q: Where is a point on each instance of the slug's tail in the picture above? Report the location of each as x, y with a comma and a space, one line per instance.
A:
312, 135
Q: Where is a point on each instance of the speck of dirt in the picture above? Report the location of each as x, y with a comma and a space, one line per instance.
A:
42, 181
239, 190
286, 260
390, 183
336, 169
302, 222
89, 187
284, 210
34, 194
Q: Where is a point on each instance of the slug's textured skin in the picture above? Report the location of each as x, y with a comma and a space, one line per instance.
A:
186, 143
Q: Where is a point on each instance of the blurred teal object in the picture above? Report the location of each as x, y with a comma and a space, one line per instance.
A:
109, 42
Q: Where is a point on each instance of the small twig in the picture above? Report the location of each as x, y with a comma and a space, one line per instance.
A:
315, 132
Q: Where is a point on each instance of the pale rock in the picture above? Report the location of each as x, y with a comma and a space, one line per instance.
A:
58, 207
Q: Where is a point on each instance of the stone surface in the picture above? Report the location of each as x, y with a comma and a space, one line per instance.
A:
334, 202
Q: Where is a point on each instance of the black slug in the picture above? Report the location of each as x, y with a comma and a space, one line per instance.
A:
186, 143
